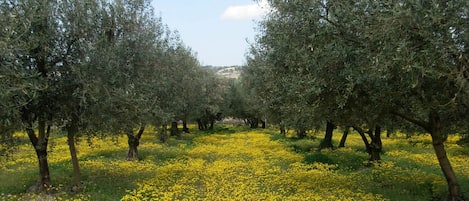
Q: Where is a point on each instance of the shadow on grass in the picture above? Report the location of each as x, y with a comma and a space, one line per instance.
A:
219, 130
345, 160
230, 129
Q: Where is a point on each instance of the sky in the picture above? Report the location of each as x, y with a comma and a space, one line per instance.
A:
219, 31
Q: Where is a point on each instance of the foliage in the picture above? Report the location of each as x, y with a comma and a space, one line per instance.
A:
209, 99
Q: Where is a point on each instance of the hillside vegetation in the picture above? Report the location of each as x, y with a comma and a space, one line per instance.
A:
233, 163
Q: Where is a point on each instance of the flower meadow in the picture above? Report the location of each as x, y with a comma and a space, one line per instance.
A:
233, 163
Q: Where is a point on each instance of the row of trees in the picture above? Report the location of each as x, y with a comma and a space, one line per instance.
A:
363, 64
95, 67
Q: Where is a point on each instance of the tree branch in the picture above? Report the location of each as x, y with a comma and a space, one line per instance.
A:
423, 124
140, 131
363, 136
342, 30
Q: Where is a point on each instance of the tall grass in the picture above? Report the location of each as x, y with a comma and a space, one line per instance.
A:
234, 163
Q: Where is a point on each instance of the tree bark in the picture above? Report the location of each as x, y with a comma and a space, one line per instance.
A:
132, 154
263, 124
133, 142
39, 143
376, 144
253, 123
202, 124
327, 141
185, 129
344, 137
72, 130
162, 135
174, 130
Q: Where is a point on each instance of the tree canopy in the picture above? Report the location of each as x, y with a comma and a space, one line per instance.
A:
365, 64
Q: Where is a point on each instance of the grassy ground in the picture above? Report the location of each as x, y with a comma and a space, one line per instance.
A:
234, 163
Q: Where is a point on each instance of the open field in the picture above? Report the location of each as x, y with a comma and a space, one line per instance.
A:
233, 163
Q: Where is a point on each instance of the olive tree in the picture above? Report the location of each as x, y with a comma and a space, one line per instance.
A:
42, 49
77, 66
130, 58
423, 64
360, 63
209, 99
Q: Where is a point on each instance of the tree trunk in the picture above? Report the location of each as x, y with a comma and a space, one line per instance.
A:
175, 131
445, 165
40, 142
253, 123
282, 130
40, 146
263, 124
301, 133
132, 154
438, 139
212, 123
133, 142
365, 140
199, 124
344, 137
185, 129
327, 141
202, 124
72, 130
376, 145
162, 135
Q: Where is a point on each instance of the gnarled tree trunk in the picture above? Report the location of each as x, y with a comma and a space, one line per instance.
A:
203, 124
364, 139
39, 143
174, 130
376, 145
374, 148
133, 142
162, 136
253, 122
438, 139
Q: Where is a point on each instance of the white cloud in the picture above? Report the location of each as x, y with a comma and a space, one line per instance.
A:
243, 12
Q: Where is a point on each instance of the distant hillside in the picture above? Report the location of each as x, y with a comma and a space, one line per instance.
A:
226, 71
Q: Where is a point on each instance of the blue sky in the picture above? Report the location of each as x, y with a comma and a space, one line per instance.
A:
217, 30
